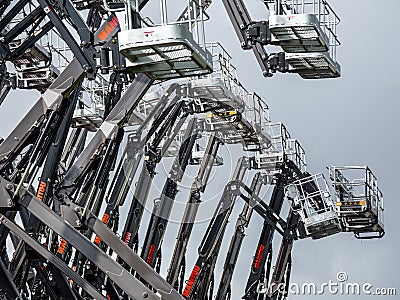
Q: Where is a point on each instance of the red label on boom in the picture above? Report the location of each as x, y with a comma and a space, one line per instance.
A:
62, 246
41, 190
191, 281
151, 253
127, 237
108, 29
258, 258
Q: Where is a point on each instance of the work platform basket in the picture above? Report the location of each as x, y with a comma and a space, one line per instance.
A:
311, 199
222, 86
236, 115
313, 65
359, 201
283, 149
248, 126
306, 31
170, 49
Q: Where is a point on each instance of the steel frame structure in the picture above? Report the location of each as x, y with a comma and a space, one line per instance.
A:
61, 248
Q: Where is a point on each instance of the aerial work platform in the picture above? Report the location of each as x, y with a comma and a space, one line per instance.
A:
36, 54
34, 68
302, 26
164, 52
237, 116
34, 65
89, 118
222, 85
231, 126
298, 33
249, 127
312, 201
283, 149
313, 65
90, 110
37, 78
359, 201
167, 50
145, 106
198, 157
306, 31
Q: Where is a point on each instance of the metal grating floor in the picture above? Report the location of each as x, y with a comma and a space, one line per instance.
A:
298, 33
214, 88
313, 65
164, 52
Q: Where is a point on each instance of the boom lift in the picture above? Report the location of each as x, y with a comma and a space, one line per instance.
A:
61, 248
314, 214
282, 147
121, 183
214, 233
152, 157
89, 203
136, 209
224, 289
264, 249
176, 270
128, 166
305, 30
200, 282
151, 251
283, 163
67, 176
44, 193
311, 215
242, 118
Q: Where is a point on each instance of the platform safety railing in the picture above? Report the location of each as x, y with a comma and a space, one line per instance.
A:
311, 199
359, 201
166, 49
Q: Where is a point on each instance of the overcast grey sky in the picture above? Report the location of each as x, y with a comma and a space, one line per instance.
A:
347, 121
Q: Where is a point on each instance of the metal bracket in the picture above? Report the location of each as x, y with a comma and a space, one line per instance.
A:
277, 62
6, 191
74, 214
257, 32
